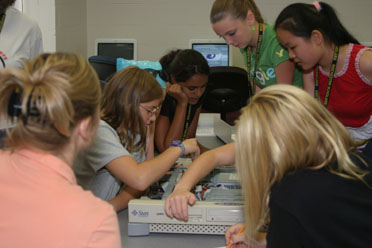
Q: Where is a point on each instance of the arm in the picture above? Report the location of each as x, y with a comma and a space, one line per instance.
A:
140, 176
191, 133
150, 142
365, 64
284, 72
166, 132
308, 81
202, 148
193, 127
121, 201
161, 130
176, 203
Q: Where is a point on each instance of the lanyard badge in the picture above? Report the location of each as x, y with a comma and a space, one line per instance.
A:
330, 80
249, 60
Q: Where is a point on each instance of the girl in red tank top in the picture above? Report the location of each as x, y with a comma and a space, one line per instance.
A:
337, 70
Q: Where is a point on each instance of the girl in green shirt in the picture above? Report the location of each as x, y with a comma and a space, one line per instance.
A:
240, 24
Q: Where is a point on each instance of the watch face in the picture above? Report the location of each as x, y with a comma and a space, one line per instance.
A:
176, 143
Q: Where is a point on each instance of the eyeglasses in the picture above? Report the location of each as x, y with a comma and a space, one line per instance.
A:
151, 112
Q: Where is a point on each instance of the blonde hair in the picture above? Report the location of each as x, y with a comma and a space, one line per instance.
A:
283, 129
55, 92
121, 104
237, 9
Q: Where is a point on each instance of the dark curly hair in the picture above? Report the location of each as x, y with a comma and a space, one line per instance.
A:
183, 64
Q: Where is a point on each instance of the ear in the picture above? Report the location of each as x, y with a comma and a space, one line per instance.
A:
316, 37
84, 129
250, 18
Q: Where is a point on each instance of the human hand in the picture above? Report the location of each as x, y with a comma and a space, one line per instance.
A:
191, 147
176, 205
175, 91
235, 237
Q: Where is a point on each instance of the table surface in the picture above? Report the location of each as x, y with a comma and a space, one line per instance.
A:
165, 240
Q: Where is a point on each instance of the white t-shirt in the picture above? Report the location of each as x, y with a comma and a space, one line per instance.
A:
20, 39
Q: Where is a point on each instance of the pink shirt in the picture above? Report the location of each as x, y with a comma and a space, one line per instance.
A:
42, 206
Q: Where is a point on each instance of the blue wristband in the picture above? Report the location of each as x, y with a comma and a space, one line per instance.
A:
179, 144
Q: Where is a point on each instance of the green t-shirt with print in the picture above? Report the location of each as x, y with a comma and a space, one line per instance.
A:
271, 55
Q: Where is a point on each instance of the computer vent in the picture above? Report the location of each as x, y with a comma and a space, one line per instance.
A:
188, 228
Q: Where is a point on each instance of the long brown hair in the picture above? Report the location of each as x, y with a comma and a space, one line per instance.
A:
121, 101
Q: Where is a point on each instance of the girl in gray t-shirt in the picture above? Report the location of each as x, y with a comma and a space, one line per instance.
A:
123, 149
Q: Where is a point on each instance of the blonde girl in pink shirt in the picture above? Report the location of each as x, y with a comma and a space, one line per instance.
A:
54, 102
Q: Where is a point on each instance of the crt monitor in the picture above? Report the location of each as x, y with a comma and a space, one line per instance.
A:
116, 48
216, 52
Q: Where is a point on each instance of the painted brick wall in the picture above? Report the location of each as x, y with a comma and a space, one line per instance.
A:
159, 25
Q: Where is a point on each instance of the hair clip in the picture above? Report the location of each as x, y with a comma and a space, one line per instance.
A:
317, 6
15, 104
31, 109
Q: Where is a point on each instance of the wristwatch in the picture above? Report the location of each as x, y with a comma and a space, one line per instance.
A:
179, 144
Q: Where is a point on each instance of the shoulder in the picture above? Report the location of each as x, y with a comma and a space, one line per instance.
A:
88, 201
103, 125
306, 187
168, 99
277, 52
270, 35
302, 188
365, 63
107, 138
269, 30
12, 12
107, 133
4, 157
91, 214
106, 146
168, 106
21, 20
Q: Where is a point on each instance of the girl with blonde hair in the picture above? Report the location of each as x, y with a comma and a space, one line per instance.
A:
304, 176
123, 149
54, 104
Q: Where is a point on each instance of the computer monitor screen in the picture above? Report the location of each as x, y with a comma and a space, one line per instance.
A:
117, 48
217, 53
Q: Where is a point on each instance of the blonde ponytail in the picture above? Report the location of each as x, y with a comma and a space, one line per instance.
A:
47, 98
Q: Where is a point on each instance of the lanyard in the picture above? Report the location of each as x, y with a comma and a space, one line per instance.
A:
249, 60
2, 20
187, 122
330, 80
